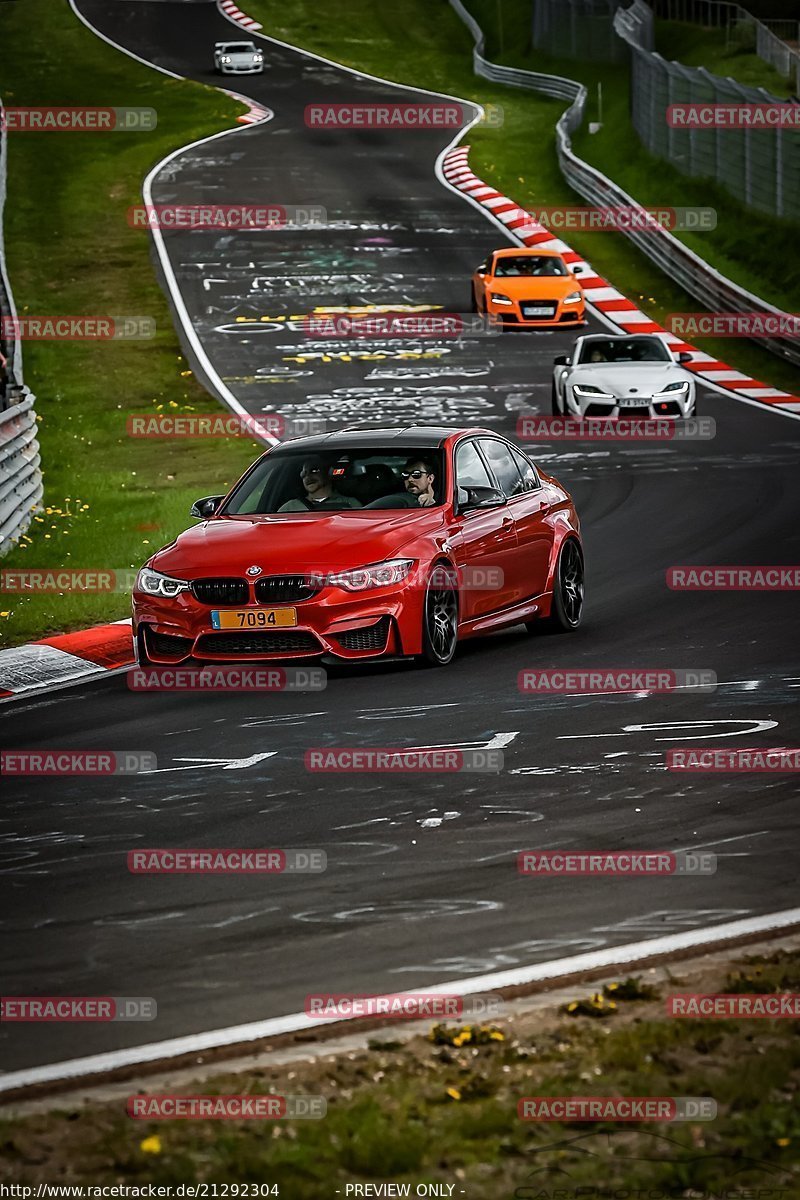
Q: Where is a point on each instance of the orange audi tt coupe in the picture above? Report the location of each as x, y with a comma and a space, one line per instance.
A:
528, 287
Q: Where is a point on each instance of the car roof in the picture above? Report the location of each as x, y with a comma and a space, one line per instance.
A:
411, 437
617, 337
524, 251
238, 42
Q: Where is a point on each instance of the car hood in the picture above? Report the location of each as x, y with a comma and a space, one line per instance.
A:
534, 287
637, 377
289, 544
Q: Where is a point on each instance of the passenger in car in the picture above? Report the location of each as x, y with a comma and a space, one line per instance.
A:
320, 492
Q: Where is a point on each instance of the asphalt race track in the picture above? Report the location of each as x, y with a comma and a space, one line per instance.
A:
421, 885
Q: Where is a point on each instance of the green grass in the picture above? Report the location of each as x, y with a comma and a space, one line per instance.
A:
111, 500
444, 1110
730, 55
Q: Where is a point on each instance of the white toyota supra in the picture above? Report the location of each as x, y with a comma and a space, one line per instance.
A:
612, 375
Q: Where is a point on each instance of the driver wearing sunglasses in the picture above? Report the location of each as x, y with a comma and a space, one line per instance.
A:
418, 479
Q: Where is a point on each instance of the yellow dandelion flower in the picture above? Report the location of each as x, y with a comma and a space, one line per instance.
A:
454, 1093
783, 1142
151, 1145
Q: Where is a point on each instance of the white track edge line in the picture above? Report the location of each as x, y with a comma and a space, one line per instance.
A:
77, 1068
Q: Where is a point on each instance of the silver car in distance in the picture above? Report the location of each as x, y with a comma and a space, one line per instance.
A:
238, 58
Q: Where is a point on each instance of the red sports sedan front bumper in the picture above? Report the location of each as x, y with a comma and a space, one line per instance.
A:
348, 626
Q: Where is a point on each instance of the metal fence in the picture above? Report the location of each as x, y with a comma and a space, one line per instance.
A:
770, 38
21, 486
760, 167
577, 29
713, 290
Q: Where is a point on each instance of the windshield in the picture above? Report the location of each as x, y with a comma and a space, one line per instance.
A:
528, 264
239, 48
339, 480
624, 350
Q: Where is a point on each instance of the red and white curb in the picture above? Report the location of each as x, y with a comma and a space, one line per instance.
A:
601, 294
65, 658
233, 11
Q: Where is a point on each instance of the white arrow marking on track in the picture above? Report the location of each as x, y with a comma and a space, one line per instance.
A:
227, 764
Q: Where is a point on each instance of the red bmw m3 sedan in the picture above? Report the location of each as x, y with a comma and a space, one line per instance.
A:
362, 544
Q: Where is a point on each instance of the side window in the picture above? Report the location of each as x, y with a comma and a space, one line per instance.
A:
470, 469
504, 467
530, 479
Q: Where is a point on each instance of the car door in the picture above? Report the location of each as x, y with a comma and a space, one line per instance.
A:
529, 506
484, 543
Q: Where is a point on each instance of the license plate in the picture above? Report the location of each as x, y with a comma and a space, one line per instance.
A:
253, 618
633, 402
537, 310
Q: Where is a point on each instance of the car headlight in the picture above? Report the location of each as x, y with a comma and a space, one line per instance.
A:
572, 298
225, 58
588, 389
674, 387
382, 574
499, 298
155, 584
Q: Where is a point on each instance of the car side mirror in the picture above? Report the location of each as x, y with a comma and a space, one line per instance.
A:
684, 356
561, 360
576, 270
470, 498
201, 509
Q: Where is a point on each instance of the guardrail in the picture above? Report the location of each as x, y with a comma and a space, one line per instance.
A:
21, 487
712, 289
20, 471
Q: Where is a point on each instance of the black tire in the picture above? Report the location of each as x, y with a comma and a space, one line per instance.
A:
568, 592
439, 617
556, 411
